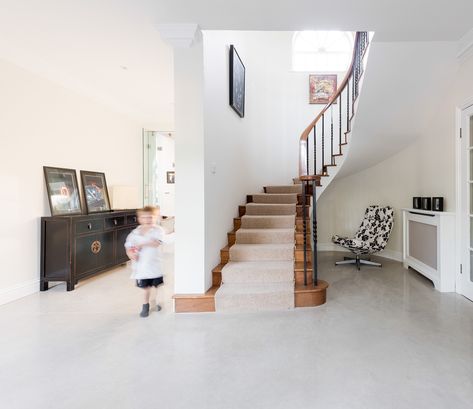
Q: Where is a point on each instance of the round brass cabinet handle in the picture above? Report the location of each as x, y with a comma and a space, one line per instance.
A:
96, 246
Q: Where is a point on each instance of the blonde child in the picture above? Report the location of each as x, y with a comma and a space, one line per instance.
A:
143, 247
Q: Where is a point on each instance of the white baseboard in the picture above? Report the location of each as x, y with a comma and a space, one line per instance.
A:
390, 254
18, 291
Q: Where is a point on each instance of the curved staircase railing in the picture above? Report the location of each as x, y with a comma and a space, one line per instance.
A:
329, 129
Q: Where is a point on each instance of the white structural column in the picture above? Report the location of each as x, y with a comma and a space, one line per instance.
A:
190, 277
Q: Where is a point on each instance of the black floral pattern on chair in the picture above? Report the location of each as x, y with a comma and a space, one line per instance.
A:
373, 234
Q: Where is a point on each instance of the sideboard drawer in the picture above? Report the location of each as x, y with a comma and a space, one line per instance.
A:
116, 221
131, 219
87, 226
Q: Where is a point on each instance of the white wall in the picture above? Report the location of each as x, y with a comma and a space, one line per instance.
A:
261, 148
404, 86
42, 123
341, 207
425, 168
464, 80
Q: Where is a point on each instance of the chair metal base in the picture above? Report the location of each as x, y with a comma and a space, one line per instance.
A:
358, 261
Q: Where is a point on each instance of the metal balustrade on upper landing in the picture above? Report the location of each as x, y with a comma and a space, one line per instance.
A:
328, 124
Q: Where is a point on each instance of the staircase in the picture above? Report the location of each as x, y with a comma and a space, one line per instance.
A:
259, 274
261, 268
270, 262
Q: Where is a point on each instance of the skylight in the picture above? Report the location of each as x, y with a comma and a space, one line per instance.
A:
322, 51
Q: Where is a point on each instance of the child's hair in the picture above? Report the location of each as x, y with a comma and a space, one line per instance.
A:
149, 209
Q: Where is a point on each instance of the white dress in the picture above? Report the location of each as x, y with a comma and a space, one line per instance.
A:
150, 259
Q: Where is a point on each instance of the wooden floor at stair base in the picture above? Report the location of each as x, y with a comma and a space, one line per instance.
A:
310, 296
196, 302
304, 296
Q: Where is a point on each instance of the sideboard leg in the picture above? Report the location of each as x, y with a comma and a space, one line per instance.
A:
43, 286
70, 286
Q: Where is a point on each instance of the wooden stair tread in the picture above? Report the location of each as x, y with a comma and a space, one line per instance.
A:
210, 293
309, 177
218, 268
301, 288
301, 247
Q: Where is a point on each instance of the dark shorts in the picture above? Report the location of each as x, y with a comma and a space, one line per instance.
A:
149, 282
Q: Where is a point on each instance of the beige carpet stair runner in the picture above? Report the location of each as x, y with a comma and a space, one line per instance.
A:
260, 273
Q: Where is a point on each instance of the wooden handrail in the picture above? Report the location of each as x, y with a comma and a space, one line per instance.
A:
355, 71
303, 169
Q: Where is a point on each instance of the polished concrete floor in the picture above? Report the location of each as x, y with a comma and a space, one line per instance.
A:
385, 339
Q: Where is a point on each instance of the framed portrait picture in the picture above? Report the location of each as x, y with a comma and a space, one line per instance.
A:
94, 187
237, 83
321, 88
170, 177
63, 191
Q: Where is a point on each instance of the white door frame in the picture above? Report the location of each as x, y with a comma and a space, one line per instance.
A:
458, 185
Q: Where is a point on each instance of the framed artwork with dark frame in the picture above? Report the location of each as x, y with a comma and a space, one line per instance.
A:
63, 191
94, 187
321, 88
237, 82
170, 177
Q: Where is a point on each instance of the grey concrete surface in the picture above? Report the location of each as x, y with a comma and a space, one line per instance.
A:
384, 340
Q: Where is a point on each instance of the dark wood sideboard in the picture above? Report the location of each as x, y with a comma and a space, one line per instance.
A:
76, 247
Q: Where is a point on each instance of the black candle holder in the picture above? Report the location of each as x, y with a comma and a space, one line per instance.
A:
416, 203
437, 204
426, 203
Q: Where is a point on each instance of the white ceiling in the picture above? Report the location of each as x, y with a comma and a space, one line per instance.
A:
400, 20
83, 44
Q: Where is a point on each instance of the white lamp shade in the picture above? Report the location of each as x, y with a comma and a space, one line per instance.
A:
125, 197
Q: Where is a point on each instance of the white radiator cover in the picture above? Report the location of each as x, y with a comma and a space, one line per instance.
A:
429, 246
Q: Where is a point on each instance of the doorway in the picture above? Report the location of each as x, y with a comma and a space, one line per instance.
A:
158, 171
465, 279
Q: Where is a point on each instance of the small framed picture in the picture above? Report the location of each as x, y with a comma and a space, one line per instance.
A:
63, 191
237, 83
94, 187
321, 88
170, 176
